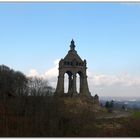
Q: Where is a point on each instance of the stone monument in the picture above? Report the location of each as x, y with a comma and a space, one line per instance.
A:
72, 64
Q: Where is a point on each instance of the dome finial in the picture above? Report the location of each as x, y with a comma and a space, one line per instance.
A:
72, 45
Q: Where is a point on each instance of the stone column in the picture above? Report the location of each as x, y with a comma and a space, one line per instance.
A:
70, 84
74, 84
85, 90
60, 85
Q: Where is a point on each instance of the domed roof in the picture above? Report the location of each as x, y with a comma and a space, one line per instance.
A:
72, 54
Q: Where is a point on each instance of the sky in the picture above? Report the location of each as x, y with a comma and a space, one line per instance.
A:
35, 36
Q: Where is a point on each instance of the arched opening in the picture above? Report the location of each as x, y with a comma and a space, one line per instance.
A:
66, 82
68, 77
77, 83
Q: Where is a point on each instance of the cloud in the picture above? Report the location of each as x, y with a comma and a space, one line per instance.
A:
123, 79
94, 79
102, 83
113, 85
33, 73
51, 74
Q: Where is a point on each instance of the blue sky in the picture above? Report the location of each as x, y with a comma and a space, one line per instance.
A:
107, 35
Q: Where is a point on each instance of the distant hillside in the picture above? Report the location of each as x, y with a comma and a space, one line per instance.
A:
129, 102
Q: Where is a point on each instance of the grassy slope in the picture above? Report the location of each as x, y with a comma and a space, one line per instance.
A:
75, 117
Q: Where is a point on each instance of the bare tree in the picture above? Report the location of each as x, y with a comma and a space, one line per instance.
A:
39, 87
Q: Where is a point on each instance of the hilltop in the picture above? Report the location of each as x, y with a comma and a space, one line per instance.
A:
52, 116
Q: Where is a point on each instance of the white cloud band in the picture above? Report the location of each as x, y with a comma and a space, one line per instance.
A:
94, 80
